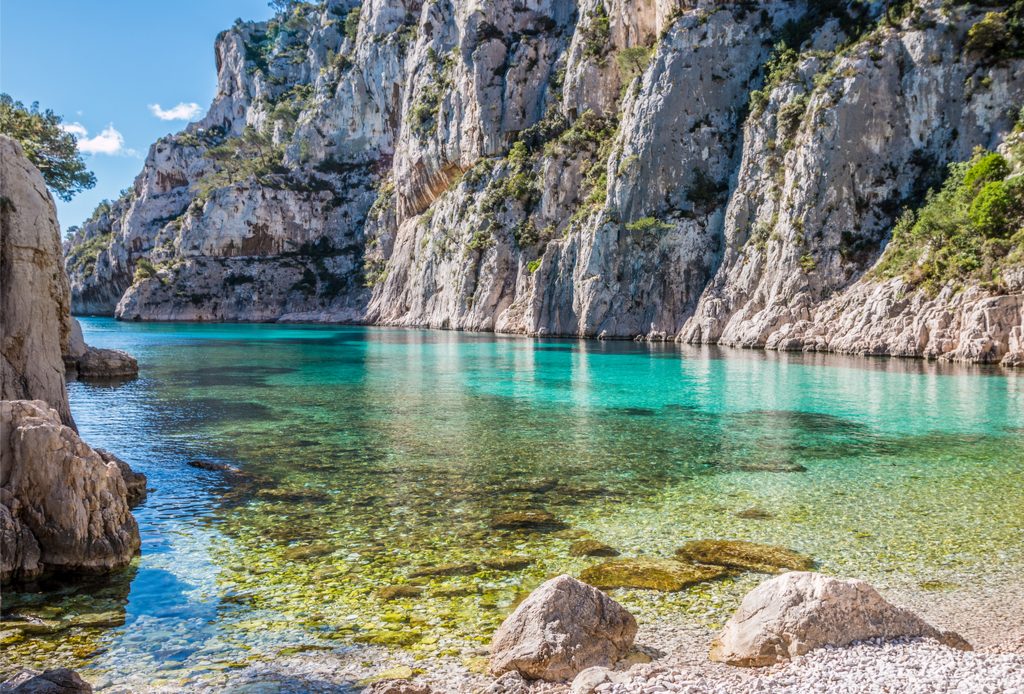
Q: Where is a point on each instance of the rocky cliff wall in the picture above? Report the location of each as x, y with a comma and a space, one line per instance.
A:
35, 300
700, 171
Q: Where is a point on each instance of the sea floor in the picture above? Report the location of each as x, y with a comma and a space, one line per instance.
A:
371, 457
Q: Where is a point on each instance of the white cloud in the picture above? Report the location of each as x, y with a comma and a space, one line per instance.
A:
110, 141
182, 111
76, 129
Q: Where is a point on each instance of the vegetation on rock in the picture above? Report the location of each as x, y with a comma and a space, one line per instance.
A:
52, 149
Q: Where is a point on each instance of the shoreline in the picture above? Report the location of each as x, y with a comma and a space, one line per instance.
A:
876, 357
667, 651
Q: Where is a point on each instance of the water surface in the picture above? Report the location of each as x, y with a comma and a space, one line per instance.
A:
367, 453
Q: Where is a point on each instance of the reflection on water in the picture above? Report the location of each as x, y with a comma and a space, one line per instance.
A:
367, 455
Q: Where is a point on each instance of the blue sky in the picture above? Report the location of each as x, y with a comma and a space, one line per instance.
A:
103, 63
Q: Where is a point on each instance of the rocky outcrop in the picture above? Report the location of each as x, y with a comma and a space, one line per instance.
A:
664, 170
56, 681
93, 363
797, 612
562, 628
34, 295
64, 507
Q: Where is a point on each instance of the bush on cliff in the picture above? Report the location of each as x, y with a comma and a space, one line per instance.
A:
52, 149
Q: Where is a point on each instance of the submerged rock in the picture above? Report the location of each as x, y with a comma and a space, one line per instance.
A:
794, 613
739, 554
514, 563
592, 548
63, 507
527, 520
650, 574
465, 569
57, 681
754, 514
211, 466
401, 591
561, 629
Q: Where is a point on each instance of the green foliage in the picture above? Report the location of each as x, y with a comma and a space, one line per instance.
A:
52, 150
969, 230
807, 263
999, 34
533, 265
253, 155
427, 107
646, 225
597, 33
144, 269
779, 68
792, 114
632, 62
352, 23
480, 241
82, 258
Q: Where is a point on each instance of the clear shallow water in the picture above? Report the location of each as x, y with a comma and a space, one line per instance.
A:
370, 452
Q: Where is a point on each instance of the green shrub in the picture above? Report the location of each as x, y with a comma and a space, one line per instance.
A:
352, 23
807, 263
144, 269
646, 225
989, 35
990, 209
597, 34
533, 265
988, 168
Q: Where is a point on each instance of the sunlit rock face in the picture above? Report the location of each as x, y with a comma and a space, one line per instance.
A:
608, 168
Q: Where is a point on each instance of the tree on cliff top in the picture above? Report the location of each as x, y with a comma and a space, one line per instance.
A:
53, 150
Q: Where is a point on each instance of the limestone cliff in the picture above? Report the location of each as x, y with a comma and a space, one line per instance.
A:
35, 299
64, 507
668, 169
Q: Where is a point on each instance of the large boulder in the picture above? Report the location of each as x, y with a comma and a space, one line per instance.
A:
56, 681
794, 613
63, 506
85, 362
35, 298
561, 629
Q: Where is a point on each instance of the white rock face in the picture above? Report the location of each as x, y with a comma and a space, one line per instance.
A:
34, 295
554, 168
561, 629
792, 614
63, 506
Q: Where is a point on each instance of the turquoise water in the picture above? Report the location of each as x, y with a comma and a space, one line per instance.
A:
370, 452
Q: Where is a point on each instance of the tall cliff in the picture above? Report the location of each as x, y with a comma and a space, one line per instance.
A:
725, 172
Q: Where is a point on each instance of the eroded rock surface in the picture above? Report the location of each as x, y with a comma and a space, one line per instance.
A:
796, 612
561, 629
64, 507
34, 295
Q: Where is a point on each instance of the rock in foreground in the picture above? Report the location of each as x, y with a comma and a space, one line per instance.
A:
750, 556
63, 506
561, 629
56, 681
797, 612
34, 294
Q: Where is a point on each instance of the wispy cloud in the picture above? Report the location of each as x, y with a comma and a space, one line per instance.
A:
110, 141
182, 111
76, 129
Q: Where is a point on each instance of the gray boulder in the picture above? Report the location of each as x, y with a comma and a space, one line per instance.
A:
561, 629
797, 612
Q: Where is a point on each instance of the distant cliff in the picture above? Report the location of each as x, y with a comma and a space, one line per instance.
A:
699, 171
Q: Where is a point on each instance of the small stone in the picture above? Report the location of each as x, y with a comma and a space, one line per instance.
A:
590, 679
56, 681
592, 548
651, 574
401, 672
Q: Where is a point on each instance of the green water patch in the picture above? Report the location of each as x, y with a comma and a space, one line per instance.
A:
408, 489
